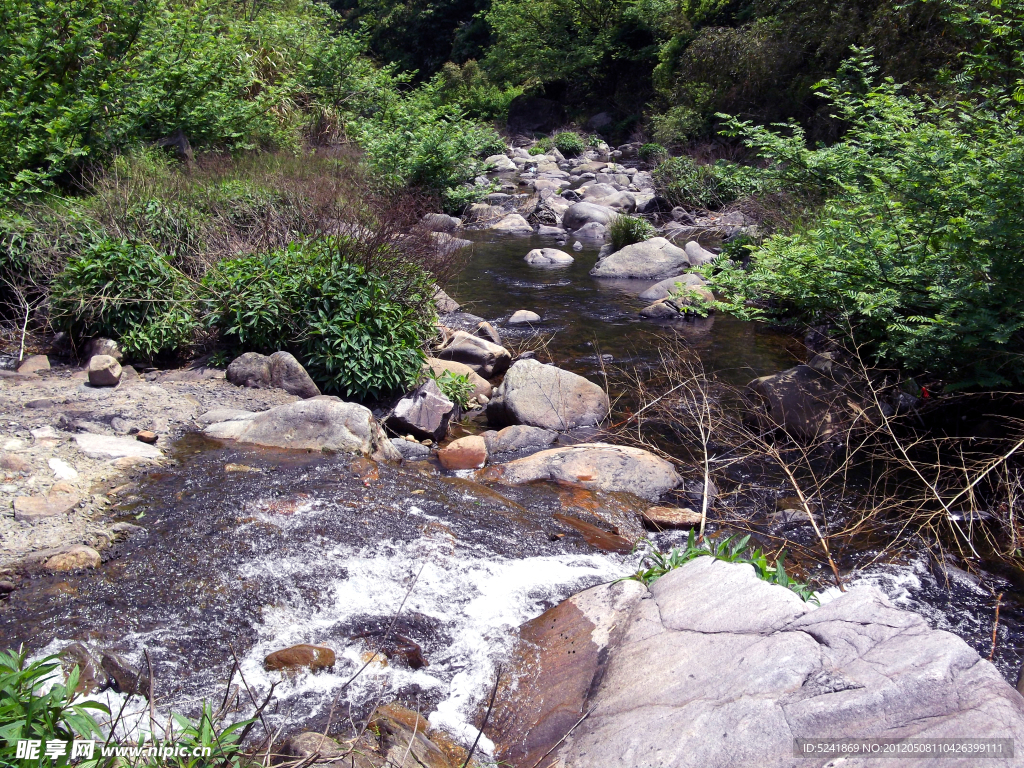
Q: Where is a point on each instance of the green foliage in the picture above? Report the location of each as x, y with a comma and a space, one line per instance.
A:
128, 292
223, 744
652, 153
569, 144
916, 251
456, 387
626, 230
542, 147
494, 145
359, 333
470, 87
657, 564
684, 182
28, 713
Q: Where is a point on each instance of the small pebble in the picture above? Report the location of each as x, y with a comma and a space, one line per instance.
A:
577, 246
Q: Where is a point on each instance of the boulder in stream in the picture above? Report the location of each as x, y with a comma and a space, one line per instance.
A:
667, 287
547, 257
715, 668
512, 224
524, 316
808, 404
297, 657
468, 452
517, 437
652, 258
481, 386
598, 466
484, 357
545, 396
425, 413
580, 214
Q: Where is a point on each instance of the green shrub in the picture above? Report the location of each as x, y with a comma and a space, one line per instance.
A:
626, 230
684, 182
542, 147
128, 292
657, 564
359, 333
27, 713
569, 144
652, 153
493, 145
456, 387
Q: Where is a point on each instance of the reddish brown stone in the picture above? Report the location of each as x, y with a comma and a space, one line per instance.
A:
464, 453
146, 436
311, 657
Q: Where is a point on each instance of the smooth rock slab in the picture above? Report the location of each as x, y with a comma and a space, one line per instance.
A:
598, 466
513, 224
31, 508
545, 396
484, 357
311, 657
34, 364
547, 257
580, 214
109, 447
660, 518
517, 437
315, 424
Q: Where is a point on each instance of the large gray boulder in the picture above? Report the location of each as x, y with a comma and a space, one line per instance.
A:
425, 413
500, 163
288, 374
650, 259
319, 424
597, 466
484, 357
250, 370
545, 396
576, 216
715, 668
104, 371
440, 222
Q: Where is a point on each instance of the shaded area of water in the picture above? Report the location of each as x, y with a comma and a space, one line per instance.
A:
585, 316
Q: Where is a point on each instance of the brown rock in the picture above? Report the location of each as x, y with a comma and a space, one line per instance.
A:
308, 744
145, 436
487, 331
34, 364
14, 463
104, 371
464, 453
32, 508
405, 739
311, 657
671, 517
91, 676
75, 558
125, 678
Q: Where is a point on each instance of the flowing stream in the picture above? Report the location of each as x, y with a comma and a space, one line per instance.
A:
250, 551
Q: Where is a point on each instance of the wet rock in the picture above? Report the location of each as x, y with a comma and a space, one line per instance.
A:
652, 258
288, 374
548, 231
34, 364
101, 346
406, 740
104, 371
409, 450
559, 657
440, 222
444, 302
512, 224
425, 412
250, 370
660, 518
29, 509
314, 425
481, 213
545, 396
111, 447
744, 667
584, 213
484, 357
671, 285
805, 402
306, 745
124, 676
91, 676
679, 305
74, 559
297, 657
593, 465
465, 453
547, 257
524, 317
517, 437
480, 385
448, 244
487, 331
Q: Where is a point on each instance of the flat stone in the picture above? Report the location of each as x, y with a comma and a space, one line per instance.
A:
74, 559
146, 436
32, 508
14, 463
34, 364
652, 258
223, 414
512, 224
671, 517
598, 466
314, 425
465, 453
110, 447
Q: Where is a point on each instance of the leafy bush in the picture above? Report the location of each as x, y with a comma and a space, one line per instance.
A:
626, 230
128, 292
358, 333
727, 549
493, 145
456, 387
684, 182
916, 252
569, 144
470, 88
27, 713
542, 147
652, 153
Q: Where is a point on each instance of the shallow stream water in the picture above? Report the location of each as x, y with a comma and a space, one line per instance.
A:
247, 552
